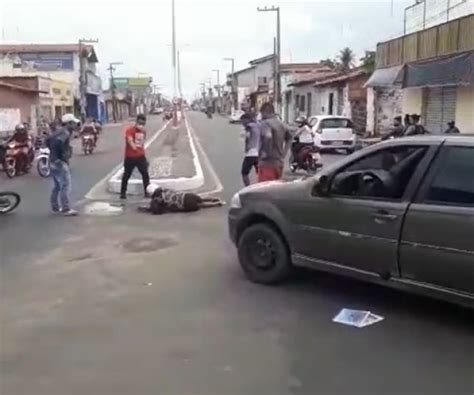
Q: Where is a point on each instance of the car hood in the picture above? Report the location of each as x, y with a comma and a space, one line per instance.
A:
275, 189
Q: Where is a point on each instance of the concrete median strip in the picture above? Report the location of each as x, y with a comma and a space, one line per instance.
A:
161, 169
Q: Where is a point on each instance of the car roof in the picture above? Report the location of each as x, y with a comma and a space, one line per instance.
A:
458, 139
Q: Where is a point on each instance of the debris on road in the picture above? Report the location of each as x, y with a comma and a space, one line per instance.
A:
102, 209
357, 318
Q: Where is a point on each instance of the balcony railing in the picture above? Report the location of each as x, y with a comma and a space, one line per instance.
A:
448, 38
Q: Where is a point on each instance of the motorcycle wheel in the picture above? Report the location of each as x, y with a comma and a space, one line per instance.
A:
10, 168
43, 167
8, 201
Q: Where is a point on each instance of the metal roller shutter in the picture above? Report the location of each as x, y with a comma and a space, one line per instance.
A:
440, 108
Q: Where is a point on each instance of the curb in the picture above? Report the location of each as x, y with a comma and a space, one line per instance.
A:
135, 187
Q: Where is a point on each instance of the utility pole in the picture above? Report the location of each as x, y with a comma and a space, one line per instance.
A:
111, 69
278, 53
82, 75
219, 104
233, 85
179, 74
173, 45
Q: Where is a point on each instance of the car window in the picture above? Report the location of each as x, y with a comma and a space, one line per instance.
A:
453, 182
334, 123
384, 174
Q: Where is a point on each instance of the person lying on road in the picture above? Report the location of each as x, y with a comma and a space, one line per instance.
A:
168, 201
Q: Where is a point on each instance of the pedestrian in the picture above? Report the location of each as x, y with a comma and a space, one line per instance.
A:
251, 133
397, 130
415, 128
452, 128
60, 153
135, 137
275, 143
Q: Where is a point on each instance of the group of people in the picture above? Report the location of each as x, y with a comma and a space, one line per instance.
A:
411, 126
267, 143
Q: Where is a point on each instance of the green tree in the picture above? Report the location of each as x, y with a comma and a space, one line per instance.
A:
346, 59
331, 63
368, 61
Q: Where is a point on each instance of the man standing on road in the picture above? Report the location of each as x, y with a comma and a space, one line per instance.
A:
252, 137
275, 143
60, 153
135, 137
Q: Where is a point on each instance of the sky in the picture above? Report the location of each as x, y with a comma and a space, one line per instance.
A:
138, 33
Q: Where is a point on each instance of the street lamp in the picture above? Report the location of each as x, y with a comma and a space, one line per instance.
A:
277, 52
112, 88
233, 86
218, 89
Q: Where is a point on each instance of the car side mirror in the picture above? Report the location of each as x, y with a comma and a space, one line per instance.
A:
322, 186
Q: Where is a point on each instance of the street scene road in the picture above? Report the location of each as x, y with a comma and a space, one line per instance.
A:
237, 198
134, 304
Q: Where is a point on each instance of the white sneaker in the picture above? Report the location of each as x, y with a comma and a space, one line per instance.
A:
70, 213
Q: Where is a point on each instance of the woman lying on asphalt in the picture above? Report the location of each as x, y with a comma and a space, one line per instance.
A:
169, 201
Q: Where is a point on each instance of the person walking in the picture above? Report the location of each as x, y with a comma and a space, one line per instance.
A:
251, 133
452, 128
135, 137
60, 153
275, 143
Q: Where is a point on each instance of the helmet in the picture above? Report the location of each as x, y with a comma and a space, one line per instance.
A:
66, 118
301, 121
20, 128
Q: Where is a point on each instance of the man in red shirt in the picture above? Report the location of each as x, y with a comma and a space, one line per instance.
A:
135, 137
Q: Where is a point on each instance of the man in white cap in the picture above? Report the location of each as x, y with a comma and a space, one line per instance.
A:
60, 152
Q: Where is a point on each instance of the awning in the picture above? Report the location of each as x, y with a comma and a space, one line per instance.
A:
452, 70
386, 77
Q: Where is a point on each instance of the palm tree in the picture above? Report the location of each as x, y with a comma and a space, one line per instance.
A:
346, 59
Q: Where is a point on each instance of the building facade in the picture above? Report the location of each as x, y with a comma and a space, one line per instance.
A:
74, 64
431, 73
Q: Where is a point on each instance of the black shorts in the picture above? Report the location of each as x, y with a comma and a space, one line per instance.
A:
248, 163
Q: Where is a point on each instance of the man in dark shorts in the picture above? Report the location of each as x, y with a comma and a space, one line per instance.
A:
252, 141
168, 201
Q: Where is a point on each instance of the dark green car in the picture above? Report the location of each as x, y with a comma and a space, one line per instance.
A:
398, 213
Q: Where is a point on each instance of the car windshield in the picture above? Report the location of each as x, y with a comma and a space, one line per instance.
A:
335, 123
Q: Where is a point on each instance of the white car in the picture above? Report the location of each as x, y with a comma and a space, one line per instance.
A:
333, 132
235, 116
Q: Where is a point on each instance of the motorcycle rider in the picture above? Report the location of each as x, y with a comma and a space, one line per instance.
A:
397, 129
23, 141
304, 137
89, 129
60, 153
415, 127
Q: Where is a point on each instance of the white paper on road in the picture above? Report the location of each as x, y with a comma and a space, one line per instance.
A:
102, 209
357, 318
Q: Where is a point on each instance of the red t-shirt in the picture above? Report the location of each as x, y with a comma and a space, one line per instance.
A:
138, 136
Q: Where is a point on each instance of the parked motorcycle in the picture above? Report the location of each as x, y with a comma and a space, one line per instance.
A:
16, 160
8, 201
88, 144
310, 160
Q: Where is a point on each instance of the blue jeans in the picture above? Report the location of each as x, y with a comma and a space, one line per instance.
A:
62, 186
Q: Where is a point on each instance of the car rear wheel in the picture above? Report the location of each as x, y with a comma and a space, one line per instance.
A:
264, 255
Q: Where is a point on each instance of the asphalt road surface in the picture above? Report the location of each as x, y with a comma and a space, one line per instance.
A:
138, 304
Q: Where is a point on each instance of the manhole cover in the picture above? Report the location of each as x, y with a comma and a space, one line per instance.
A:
148, 244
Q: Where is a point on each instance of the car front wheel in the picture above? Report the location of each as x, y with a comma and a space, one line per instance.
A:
264, 255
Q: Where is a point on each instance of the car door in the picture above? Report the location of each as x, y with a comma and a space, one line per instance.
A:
437, 244
361, 232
